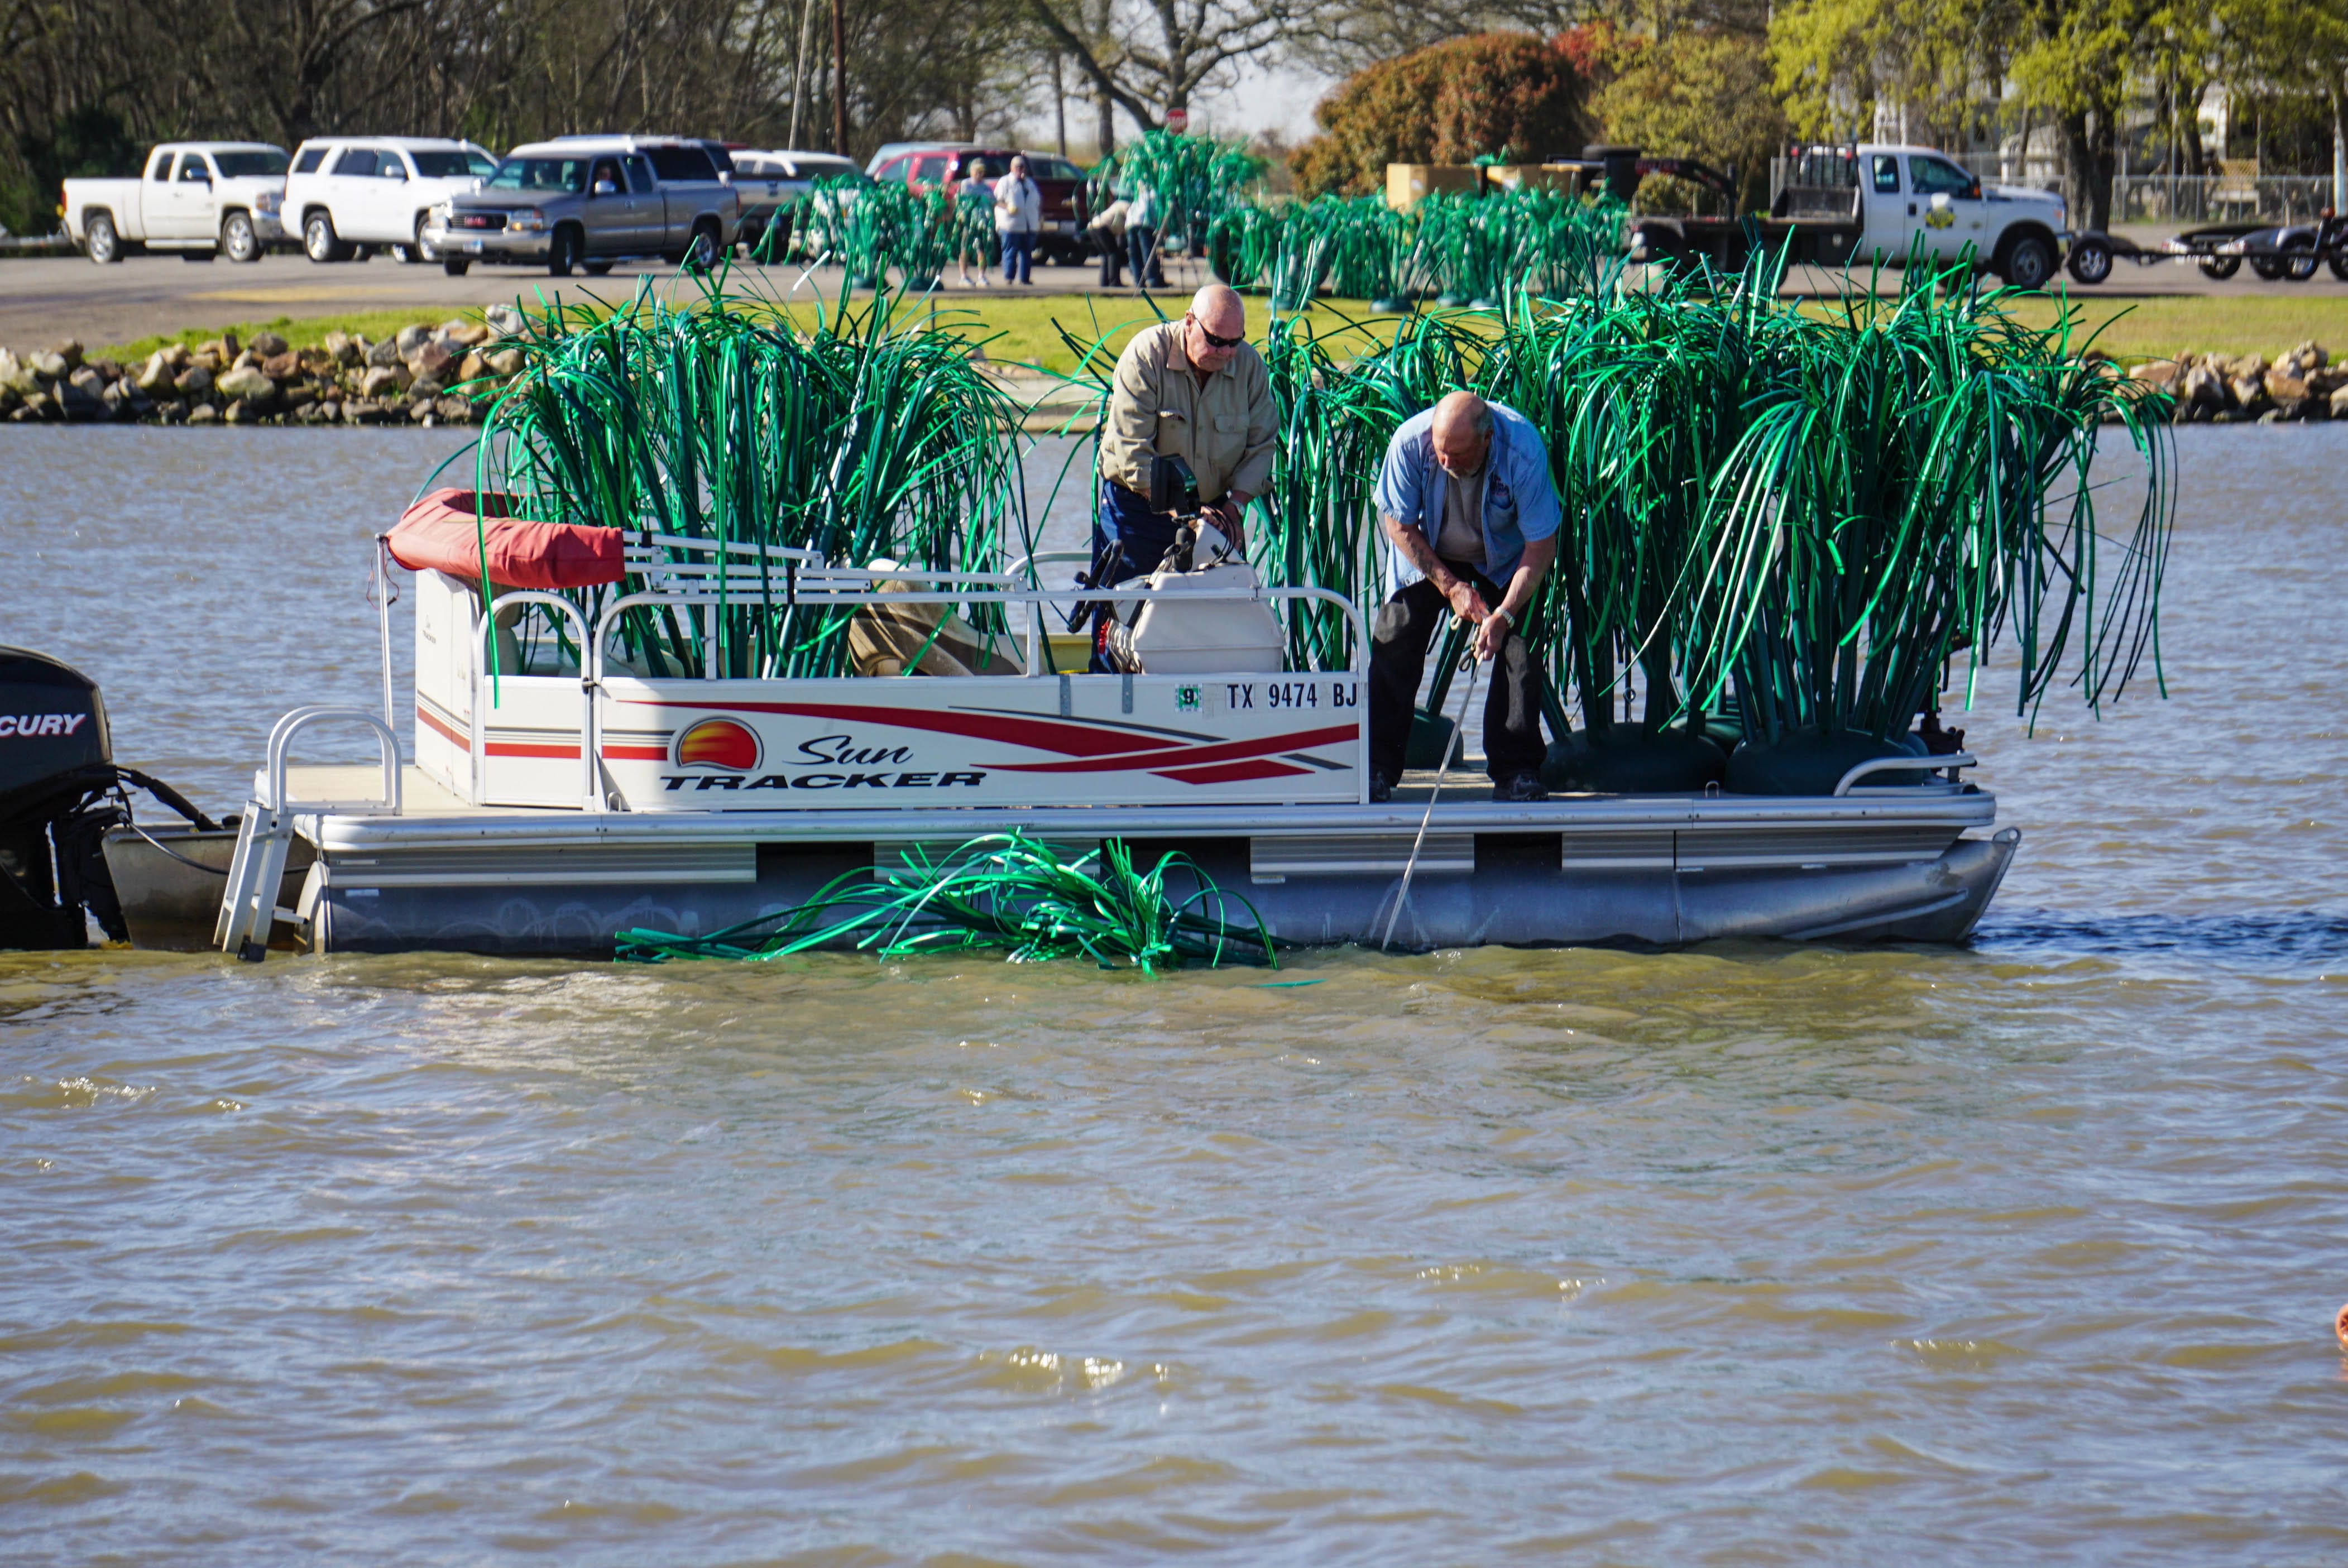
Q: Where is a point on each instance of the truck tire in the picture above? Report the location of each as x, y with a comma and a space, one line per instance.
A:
702, 254
2090, 261
238, 242
563, 252
596, 269
319, 241
104, 244
455, 267
418, 253
2029, 263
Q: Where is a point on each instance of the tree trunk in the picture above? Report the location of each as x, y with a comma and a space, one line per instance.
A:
1103, 103
2089, 161
839, 81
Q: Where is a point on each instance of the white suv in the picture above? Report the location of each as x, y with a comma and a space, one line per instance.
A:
347, 194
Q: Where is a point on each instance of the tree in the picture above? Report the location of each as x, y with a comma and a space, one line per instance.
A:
1701, 93
1446, 103
1153, 58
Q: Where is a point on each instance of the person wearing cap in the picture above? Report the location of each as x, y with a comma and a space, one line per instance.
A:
1193, 389
1465, 503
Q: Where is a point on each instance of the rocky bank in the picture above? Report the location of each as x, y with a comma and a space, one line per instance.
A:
2227, 389
423, 375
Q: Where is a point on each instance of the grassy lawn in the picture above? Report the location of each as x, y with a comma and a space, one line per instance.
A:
1038, 329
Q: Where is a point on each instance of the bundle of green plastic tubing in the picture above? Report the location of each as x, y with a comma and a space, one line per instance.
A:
864, 437
1192, 176
1007, 892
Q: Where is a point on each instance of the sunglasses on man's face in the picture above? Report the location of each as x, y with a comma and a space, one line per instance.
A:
1214, 341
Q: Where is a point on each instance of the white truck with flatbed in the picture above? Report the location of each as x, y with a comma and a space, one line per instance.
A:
1854, 205
199, 198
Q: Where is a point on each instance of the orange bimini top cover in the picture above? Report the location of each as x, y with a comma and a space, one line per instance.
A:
441, 532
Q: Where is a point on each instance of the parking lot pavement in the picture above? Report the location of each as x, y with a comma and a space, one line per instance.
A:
47, 299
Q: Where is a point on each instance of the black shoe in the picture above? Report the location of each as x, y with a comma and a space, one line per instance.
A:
1520, 790
1381, 788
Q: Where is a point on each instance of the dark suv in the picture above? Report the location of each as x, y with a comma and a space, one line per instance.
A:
1060, 183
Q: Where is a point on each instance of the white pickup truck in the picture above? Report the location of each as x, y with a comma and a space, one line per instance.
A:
1852, 206
200, 198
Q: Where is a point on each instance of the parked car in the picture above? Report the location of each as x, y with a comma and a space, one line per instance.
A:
199, 198
766, 182
591, 201
1060, 183
347, 194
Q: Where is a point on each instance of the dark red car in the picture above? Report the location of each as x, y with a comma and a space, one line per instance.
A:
1060, 182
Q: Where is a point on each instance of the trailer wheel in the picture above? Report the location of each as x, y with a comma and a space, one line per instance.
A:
2090, 261
2340, 265
2030, 263
2220, 267
2299, 261
106, 245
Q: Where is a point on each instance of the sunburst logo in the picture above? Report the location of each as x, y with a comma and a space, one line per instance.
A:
718, 743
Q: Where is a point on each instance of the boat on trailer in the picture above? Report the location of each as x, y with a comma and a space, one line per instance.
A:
553, 794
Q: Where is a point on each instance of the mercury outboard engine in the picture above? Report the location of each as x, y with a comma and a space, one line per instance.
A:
59, 792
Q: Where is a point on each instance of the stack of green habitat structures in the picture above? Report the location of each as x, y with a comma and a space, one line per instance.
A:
1454, 248
1194, 177
1782, 525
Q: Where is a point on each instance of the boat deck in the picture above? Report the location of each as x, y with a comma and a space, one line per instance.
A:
1575, 869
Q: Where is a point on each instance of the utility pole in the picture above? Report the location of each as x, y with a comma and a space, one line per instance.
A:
839, 81
1060, 103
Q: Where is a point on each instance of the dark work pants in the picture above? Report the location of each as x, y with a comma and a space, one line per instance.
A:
1405, 625
1112, 258
1018, 255
1129, 540
1141, 248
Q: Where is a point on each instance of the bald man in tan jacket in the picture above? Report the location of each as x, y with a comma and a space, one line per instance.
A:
1193, 389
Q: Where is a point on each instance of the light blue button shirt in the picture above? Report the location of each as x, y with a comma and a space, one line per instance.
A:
1520, 503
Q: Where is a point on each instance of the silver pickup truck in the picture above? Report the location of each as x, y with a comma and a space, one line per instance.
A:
591, 200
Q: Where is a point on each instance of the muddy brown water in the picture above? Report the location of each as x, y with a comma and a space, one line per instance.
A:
2026, 1251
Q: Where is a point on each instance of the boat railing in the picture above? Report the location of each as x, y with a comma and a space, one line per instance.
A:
1949, 764
265, 834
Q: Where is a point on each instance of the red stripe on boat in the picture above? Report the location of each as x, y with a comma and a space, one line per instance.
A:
1191, 756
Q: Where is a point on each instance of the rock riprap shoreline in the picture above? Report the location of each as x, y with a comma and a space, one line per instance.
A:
2229, 389
422, 375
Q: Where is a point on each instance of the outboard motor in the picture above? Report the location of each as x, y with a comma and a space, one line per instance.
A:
59, 792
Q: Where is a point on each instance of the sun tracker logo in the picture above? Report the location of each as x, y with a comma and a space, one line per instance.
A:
721, 743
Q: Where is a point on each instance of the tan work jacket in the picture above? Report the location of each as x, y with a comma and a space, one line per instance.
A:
1224, 429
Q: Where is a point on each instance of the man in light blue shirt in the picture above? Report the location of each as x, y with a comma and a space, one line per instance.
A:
1465, 503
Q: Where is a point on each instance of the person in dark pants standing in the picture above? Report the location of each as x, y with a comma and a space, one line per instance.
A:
1465, 502
1142, 217
1194, 389
1108, 232
1018, 207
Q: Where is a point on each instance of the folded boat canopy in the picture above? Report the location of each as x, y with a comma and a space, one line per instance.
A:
441, 531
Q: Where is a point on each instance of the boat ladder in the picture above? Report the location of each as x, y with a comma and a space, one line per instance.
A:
249, 906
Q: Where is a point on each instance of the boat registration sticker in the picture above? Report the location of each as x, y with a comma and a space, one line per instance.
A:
1188, 700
